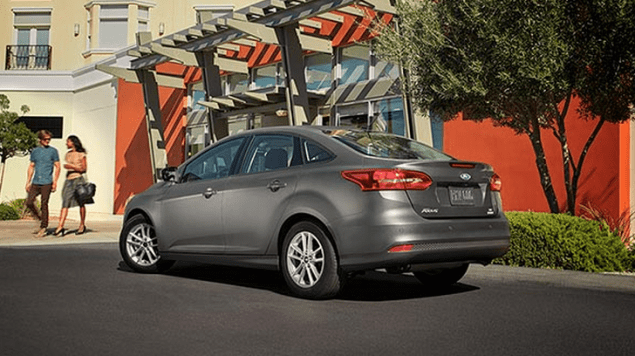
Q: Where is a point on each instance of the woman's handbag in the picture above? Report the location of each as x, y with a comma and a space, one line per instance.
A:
84, 192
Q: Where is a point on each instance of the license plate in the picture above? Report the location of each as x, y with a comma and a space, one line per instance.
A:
461, 196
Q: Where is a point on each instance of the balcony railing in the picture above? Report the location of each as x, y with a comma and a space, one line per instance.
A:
28, 57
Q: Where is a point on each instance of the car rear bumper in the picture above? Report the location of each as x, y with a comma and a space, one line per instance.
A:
366, 246
431, 252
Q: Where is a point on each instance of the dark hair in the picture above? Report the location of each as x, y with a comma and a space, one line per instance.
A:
77, 143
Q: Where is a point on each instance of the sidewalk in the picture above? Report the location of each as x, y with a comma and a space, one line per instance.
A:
100, 228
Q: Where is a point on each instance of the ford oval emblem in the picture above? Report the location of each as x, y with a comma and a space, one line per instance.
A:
465, 176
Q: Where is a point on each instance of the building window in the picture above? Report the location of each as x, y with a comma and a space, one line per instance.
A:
265, 77
196, 93
318, 72
354, 64
143, 19
31, 50
388, 116
113, 26
234, 83
436, 125
353, 115
384, 69
197, 138
52, 123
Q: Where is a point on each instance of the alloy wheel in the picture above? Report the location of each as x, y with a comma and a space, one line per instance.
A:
141, 245
305, 259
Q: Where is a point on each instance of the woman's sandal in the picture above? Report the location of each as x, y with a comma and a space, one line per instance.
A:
61, 231
79, 232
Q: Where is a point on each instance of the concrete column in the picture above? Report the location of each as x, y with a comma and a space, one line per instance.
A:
212, 84
293, 62
158, 157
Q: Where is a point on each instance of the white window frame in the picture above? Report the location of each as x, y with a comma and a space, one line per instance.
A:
145, 20
32, 27
339, 62
93, 41
104, 18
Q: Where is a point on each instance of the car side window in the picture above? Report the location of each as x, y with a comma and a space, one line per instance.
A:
314, 152
268, 153
214, 163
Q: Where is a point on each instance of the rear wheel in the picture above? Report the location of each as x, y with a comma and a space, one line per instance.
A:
442, 276
309, 264
139, 248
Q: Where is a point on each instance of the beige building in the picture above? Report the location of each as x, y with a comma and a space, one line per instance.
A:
51, 49
64, 35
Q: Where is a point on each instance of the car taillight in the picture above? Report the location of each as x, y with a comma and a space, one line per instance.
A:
401, 248
495, 183
388, 179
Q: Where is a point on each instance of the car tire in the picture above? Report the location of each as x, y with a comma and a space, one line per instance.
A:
309, 263
138, 247
441, 277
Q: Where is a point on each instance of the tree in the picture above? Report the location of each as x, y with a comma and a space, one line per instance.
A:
520, 63
15, 137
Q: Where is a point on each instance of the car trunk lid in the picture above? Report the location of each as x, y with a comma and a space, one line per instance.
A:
459, 189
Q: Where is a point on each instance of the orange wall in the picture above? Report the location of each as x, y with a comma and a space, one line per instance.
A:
605, 180
133, 172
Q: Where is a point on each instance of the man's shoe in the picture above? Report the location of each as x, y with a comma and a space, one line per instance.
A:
41, 233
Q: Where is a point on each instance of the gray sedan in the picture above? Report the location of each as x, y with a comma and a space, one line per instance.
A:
320, 204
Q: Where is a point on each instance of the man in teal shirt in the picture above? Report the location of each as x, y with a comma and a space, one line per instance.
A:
42, 176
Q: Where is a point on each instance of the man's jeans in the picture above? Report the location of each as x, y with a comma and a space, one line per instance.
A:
36, 190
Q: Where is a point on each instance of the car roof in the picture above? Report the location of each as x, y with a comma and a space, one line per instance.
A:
304, 129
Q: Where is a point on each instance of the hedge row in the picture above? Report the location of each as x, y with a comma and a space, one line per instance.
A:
562, 241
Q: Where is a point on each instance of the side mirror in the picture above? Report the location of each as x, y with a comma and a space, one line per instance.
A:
168, 174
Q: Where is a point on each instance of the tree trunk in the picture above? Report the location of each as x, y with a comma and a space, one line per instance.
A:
567, 160
577, 170
543, 168
2, 174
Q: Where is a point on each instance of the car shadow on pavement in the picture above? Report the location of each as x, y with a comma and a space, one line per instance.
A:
371, 286
376, 286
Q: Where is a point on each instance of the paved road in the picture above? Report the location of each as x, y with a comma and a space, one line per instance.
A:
79, 299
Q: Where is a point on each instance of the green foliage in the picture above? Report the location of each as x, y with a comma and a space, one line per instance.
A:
562, 241
8, 212
20, 206
520, 63
15, 137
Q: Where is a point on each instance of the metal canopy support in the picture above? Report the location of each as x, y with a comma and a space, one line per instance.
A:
158, 157
212, 83
132, 76
221, 33
296, 93
264, 33
186, 58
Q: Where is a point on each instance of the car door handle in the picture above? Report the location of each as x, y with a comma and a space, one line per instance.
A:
276, 185
209, 192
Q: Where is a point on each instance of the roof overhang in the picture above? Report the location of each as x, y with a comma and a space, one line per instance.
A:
246, 26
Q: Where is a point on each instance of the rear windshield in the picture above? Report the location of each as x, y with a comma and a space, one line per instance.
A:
379, 144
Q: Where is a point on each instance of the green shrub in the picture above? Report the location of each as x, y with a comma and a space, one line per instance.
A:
8, 212
562, 241
20, 207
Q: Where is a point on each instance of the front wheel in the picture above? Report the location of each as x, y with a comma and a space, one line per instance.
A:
139, 248
442, 277
309, 264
